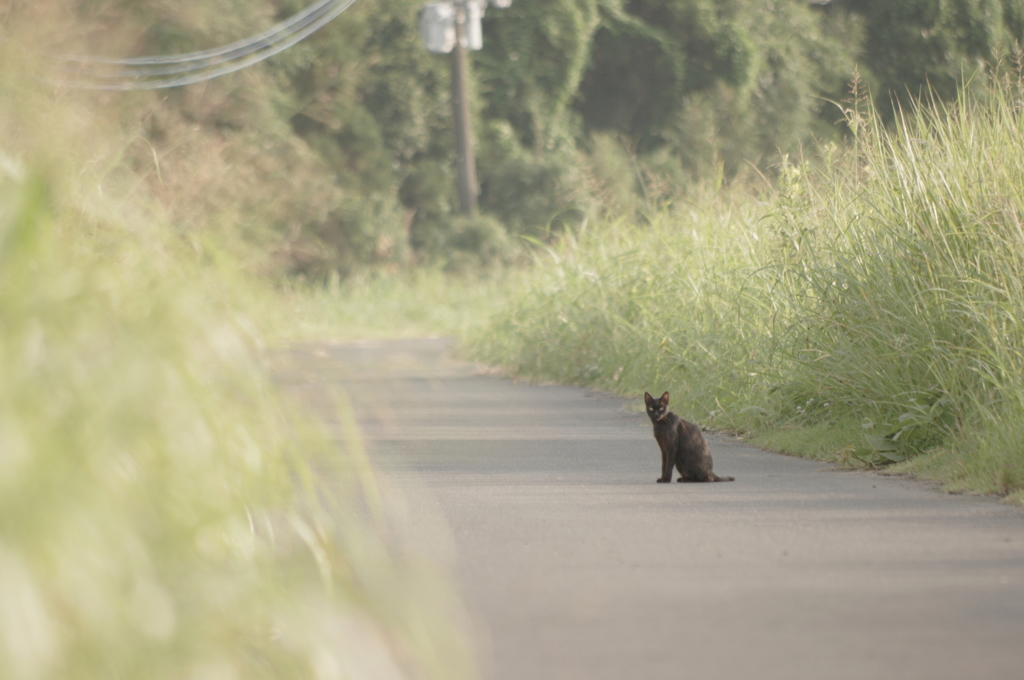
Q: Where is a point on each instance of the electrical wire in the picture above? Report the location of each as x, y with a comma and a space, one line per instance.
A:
241, 47
147, 73
235, 49
191, 62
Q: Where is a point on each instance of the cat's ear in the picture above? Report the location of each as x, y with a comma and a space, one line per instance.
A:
664, 399
648, 398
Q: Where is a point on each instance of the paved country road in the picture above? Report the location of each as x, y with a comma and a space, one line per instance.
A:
576, 565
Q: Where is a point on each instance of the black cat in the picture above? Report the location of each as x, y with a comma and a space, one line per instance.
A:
682, 445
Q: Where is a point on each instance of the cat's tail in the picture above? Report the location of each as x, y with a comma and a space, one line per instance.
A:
716, 478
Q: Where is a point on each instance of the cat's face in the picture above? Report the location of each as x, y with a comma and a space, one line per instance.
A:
657, 409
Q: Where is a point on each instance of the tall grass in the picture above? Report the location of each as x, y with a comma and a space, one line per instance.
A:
159, 515
878, 293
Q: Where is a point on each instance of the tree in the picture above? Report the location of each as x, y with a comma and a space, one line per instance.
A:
338, 151
715, 81
914, 47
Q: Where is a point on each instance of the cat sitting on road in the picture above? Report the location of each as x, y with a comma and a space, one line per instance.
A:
682, 445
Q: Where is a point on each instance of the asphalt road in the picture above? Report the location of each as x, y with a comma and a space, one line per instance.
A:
575, 564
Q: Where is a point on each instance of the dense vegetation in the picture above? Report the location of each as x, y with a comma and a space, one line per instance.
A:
869, 310
339, 152
159, 515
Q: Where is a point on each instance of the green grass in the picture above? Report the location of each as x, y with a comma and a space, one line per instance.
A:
420, 302
159, 517
881, 288
829, 440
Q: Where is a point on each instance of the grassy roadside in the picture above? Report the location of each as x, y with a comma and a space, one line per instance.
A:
415, 303
158, 514
868, 310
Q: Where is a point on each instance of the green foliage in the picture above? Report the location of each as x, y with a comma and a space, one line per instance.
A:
533, 58
337, 154
148, 526
479, 238
423, 301
921, 427
159, 512
916, 46
884, 288
532, 193
742, 80
649, 55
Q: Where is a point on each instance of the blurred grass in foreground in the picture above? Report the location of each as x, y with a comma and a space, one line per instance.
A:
158, 514
867, 310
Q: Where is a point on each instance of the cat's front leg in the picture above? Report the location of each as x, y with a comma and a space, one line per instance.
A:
666, 468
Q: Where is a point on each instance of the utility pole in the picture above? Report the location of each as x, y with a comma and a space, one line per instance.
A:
453, 26
464, 158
